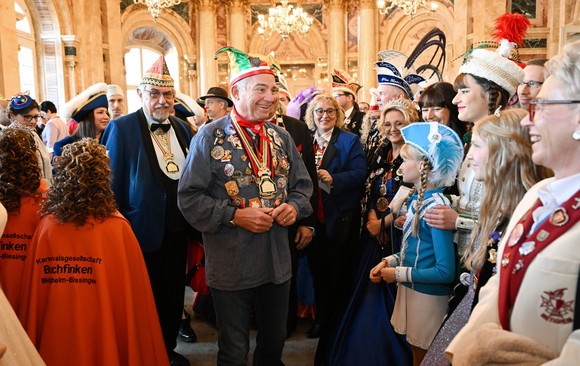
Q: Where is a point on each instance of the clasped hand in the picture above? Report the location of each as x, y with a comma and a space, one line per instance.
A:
259, 220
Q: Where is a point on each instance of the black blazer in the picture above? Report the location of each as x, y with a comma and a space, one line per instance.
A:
355, 122
303, 140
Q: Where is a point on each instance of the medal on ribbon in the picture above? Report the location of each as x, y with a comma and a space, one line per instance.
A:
163, 141
260, 159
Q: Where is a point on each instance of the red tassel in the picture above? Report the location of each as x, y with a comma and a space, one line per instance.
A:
512, 27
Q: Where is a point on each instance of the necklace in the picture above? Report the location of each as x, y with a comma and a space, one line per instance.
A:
163, 141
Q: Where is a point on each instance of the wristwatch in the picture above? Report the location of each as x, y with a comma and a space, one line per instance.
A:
232, 222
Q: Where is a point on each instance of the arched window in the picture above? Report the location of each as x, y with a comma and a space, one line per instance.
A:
137, 61
26, 48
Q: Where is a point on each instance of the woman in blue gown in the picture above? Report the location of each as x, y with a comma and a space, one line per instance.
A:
363, 334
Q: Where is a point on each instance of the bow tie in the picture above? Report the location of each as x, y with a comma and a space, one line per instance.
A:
163, 126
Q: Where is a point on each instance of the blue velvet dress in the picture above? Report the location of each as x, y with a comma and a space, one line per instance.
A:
363, 334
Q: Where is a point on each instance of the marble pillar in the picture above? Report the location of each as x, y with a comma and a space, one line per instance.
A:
336, 34
237, 26
461, 27
71, 45
367, 47
9, 70
207, 45
90, 52
114, 67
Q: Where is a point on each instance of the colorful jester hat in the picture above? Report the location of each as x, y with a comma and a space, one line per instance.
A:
158, 74
243, 65
441, 145
341, 81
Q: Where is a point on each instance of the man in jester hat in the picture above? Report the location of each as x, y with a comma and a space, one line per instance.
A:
147, 149
243, 184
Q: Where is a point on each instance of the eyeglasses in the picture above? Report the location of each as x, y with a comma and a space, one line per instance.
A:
536, 105
330, 112
532, 84
29, 118
156, 94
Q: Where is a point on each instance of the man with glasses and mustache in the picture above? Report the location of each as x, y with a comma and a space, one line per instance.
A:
147, 149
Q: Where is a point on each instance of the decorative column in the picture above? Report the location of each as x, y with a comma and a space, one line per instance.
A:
336, 34
207, 45
70, 62
9, 71
461, 19
367, 47
90, 35
114, 52
237, 26
191, 66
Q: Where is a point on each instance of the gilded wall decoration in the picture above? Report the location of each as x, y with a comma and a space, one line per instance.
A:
221, 25
352, 27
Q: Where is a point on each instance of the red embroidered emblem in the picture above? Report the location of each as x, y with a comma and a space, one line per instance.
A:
557, 310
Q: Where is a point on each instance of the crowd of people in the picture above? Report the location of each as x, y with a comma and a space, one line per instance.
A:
439, 222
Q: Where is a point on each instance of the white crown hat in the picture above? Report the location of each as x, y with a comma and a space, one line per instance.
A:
494, 67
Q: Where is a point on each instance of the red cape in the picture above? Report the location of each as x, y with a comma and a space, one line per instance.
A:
88, 299
15, 243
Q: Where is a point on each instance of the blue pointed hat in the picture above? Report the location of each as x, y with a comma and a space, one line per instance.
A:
441, 145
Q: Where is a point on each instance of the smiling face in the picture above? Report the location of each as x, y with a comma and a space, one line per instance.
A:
157, 101
101, 119
436, 114
394, 121
552, 129
327, 118
471, 101
255, 96
478, 155
527, 92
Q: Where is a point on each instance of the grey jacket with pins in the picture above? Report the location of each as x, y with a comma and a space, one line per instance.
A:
238, 259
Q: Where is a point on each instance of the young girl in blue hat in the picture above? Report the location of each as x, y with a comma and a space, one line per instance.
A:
425, 266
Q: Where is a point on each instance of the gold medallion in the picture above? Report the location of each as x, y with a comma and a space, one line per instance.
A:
266, 186
171, 167
382, 204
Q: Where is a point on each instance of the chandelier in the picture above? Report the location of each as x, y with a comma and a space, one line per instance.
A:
409, 6
284, 19
155, 6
